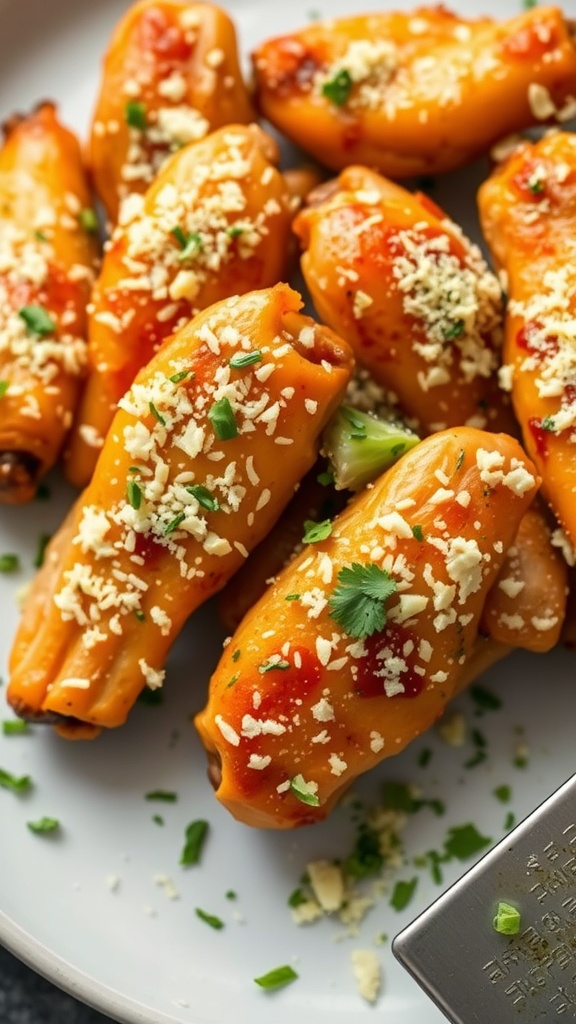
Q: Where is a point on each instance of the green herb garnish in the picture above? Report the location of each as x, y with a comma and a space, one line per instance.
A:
277, 977
14, 727
190, 244
9, 563
135, 114
157, 416
17, 783
241, 359
338, 88
43, 542
270, 666
166, 795
211, 919
304, 791
507, 920
174, 523
43, 825
177, 377
357, 604
454, 331
4, 385
37, 319
417, 532
484, 699
403, 893
316, 532
204, 497
503, 794
195, 837
88, 220
360, 446
464, 841
133, 494
223, 420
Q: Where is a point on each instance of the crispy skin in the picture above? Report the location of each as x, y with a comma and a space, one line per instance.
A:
528, 214
178, 63
338, 705
414, 298
416, 92
140, 551
229, 204
48, 261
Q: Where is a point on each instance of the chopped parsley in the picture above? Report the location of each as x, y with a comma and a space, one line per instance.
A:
316, 532
14, 727
4, 385
195, 837
241, 359
277, 977
548, 424
503, 794
133, 494
157, 819
204, 497
211, 919
460, 459
157, 416
417, 532
9, 562
297, 897
424, 757
88, 220
43, 541
366, 857
43, 825
484, 699
465, 841
190, 244
326, 477
338, 88
223, 420
507, 919
16, 783
357, 604
269, 666
37, 319
174, 523
292, 597
455, 331
403, 893
167, 795
236, 654
177, 377
304, 791
135, 114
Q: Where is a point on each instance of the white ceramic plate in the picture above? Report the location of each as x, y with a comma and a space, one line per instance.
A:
129, 950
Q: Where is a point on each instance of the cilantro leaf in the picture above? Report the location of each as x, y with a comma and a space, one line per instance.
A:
357, 604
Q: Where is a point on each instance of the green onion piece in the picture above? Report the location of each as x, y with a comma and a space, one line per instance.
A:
507, 920
37, 319
277, 977
417, 532
454, 331
174, 523
338, 88
9, 563
304, 791
270, 666
18, 784
133, 494
44, 825
204, 497
221, 416
4, 385
211, 919
135, 114
195, 837
43, 542
192, 247
358, 603
292, 597
235, 231
156, 414
316, 532
403, 893
360, 447
157, 819
88, 220
167, 795
236, 654
326, 478
14, 726
460, 459
177, 377
241, 359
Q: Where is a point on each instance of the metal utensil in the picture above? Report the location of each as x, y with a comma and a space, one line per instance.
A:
476, 975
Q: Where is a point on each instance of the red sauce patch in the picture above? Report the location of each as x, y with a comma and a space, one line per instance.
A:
163, 38
540, 436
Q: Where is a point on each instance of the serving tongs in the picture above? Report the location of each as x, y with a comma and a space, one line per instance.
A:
477, 975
